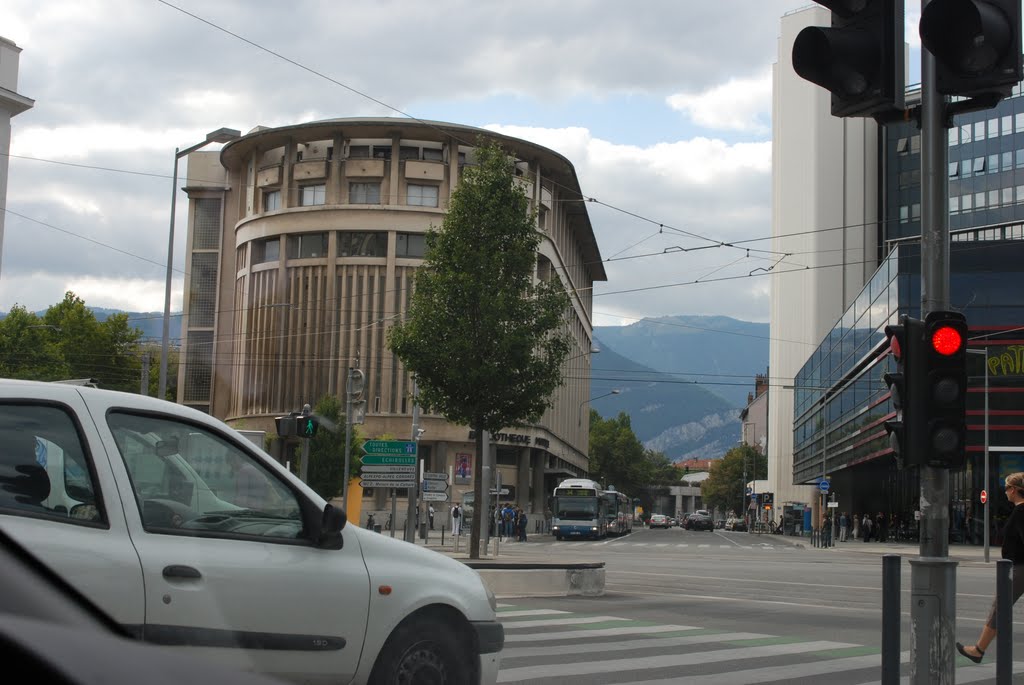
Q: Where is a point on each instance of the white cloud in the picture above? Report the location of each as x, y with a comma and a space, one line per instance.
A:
741, 104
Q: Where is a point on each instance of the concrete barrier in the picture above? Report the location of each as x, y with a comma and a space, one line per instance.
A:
539, 579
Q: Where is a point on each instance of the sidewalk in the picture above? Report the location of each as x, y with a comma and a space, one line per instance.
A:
957, 551
460, 549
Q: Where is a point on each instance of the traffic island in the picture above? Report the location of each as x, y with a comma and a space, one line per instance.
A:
541, 579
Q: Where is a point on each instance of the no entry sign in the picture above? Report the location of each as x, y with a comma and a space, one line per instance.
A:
984, 496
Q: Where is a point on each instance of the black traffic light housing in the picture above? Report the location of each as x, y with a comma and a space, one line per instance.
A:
859, 59
906, 429
285, 426
945, 348
976, 44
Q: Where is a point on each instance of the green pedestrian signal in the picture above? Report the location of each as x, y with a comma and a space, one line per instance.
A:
306, 426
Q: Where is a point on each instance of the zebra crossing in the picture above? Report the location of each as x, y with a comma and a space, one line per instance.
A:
548, 646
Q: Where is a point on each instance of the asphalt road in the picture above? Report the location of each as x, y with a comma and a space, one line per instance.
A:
722, 607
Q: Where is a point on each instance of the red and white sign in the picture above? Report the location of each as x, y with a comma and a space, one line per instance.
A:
984, 496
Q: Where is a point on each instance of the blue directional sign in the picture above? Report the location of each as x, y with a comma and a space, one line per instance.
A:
823, 485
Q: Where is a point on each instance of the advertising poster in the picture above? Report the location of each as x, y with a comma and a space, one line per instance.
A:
463, 468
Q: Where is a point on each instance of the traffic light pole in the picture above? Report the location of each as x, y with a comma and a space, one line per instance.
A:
933, 575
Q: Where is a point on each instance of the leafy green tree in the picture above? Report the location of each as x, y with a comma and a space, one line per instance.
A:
28, 348
484, 342
724, 487
617, 457
327, 449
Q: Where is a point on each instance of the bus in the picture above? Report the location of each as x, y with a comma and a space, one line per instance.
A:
618, 512
579, 508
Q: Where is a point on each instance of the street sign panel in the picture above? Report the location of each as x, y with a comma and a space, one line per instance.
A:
390, 468
434, 486
435, 476
435, 496
383, 459
391, 476
393, 447
503, 491
823, 485
378, 483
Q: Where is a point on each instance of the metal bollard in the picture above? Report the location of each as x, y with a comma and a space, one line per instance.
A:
1004, 622
891, 619
442, 536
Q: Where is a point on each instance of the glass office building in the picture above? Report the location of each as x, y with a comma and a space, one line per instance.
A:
841, 402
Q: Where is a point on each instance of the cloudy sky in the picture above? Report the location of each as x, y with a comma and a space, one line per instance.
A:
663, 107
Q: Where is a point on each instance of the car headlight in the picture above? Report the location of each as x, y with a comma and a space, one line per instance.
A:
554, 527
491, 599
593, 528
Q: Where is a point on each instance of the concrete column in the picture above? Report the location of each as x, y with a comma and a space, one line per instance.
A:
523, 478
540, 497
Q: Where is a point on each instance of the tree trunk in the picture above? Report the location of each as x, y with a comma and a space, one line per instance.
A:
479, 510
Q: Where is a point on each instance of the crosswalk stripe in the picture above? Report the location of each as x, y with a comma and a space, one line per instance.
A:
966, 674
627, 645
575, 620
529, 612
703, 546
683, 545
724, 546
662, 544
594, 632
665, 661
768, 674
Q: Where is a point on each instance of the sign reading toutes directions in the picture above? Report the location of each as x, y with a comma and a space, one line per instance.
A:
388, 464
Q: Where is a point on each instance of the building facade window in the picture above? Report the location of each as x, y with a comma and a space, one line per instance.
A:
271, 200
267, 250
307, 246
411, 245
364, 193
421, 196
313, 195
362, 244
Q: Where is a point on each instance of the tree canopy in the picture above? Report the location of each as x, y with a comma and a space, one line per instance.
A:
617, 457
725, 485
484, 341
327, 449
67, 341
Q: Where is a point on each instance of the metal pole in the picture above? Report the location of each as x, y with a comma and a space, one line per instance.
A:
1004, 622
144, 382
410, 518
933, 575
988, 498
348, 437
891, 619
485, 507
304, 467
394, 512
166, 338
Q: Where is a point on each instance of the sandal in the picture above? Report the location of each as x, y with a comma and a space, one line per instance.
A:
976, 659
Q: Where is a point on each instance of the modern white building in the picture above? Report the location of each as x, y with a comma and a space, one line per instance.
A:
11, 104
825, 202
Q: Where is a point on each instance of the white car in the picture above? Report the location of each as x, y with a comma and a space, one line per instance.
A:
189, 535
658, 521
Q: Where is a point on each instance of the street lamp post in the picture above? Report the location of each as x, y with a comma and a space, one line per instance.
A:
221, 135
984, 354
613, 392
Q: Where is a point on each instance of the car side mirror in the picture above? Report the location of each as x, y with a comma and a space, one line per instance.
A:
331, 524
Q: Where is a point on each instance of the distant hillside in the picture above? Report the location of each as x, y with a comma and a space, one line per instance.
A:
151, 323
730, 352
682, 419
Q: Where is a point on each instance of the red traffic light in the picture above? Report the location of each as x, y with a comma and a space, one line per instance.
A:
946, 340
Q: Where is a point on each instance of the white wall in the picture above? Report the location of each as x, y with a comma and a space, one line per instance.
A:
824, 176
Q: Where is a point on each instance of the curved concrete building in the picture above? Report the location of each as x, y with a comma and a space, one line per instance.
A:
302, 244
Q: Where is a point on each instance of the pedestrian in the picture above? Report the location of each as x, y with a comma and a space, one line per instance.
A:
866, 525
1013, 549
456, 520
522, 525
881, 527
844, 523
506, 519
430, 515
856, 526
496, 521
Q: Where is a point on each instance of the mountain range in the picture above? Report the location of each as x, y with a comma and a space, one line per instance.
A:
682, 379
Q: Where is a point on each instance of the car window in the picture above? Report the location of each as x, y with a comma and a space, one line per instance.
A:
190, 480
45, 468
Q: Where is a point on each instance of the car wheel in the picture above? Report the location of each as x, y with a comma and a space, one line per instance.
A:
422, 650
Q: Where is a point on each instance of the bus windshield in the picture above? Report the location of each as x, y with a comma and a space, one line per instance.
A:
576, 508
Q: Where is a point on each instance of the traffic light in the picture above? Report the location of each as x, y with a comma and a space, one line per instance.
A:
306, 426
976, 44
905, 387
946, 399
285, 426
859, 59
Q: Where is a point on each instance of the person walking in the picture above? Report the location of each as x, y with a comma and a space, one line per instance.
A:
522, 525
856, 526
881, 527
456, 520
1013, 549
866, 525
844, 523
430, 515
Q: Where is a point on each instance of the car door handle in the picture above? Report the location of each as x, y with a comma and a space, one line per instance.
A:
178, 571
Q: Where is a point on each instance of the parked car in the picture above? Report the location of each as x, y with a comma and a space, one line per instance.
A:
699, 522
658, 521
736, 524
188, 534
